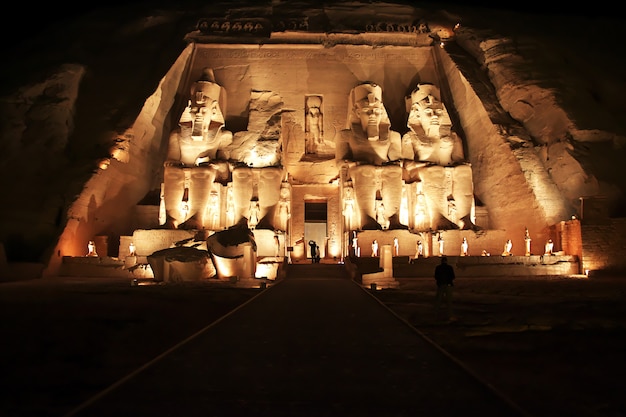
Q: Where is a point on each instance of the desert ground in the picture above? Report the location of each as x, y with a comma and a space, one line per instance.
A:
553, 345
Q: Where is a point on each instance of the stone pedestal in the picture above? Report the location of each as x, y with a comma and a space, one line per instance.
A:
384, 279
386, 261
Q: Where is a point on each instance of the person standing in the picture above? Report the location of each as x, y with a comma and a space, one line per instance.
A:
313, 247
444, 277
277, 245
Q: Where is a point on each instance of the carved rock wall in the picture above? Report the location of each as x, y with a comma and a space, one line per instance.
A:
571, 125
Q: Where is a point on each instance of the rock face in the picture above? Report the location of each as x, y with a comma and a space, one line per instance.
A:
570, 125
84, 143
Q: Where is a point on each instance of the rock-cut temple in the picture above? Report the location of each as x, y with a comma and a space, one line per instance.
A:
266, 146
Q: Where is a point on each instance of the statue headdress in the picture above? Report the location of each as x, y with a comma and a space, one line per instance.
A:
367, 93
424, 90
211, 92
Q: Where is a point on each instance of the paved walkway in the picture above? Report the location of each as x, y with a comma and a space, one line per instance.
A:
313, 344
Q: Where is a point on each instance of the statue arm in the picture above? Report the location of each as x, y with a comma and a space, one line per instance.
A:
173, 150
342, 150
407, 147
395, 146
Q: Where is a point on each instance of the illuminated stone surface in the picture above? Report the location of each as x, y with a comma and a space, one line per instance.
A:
529, 146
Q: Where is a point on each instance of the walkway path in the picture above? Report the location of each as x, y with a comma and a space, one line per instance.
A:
314, 344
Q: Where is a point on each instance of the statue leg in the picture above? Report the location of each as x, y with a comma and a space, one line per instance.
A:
173, 192
391, 193
200, 185
365, 187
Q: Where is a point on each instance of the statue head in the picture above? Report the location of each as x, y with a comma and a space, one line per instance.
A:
208, 98
313, 102
428, 111
367, 110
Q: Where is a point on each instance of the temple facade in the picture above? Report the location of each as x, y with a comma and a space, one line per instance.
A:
305, 144
319, 159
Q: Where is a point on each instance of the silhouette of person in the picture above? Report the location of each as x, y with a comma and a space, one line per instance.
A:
444, 277
277, 245
313, 247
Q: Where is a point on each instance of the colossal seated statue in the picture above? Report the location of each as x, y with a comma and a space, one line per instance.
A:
212, 178
201, 133
430, 137
367, 152
191, 165
368, 137
443, 197
256, 195
433, 158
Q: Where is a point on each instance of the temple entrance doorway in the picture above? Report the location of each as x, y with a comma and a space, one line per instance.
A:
315, 226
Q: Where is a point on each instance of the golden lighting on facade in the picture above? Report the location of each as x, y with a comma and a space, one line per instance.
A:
104, 163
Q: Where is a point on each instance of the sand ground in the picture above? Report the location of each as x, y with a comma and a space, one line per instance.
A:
553, 345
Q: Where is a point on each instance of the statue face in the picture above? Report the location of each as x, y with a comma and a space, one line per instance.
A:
431, 117
369, 114
209, 112
414, 115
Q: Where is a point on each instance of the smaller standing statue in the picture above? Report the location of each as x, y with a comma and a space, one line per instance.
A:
440, 241
255, 210
508, 246
464, 247
355, 244
549, 247
527, 240
375, 248
348, 206
314, 124
380, 215
419, 249
91, 248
